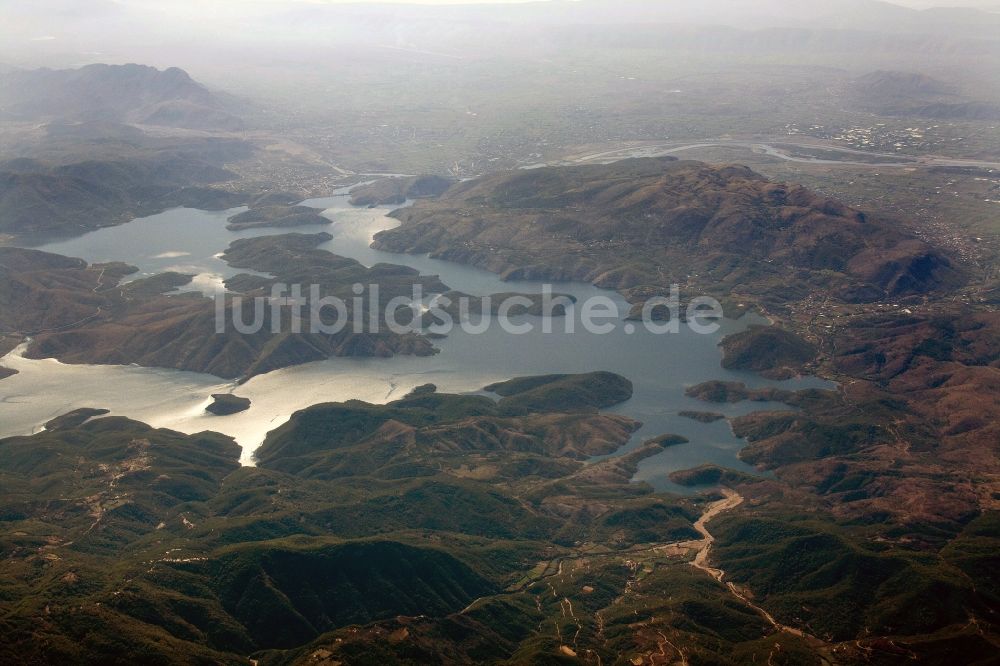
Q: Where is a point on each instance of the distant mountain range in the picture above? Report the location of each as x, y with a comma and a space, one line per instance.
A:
135, 94
918, 95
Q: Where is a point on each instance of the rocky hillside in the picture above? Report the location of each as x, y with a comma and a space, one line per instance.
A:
639, 225
43, 199
911, 439
124, 538
86, 314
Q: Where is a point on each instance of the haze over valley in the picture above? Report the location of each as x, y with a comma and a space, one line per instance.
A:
500, 332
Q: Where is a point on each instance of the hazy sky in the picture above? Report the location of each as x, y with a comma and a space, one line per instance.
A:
327, 2
94, 25
919, 4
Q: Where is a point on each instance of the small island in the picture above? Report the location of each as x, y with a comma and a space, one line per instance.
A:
566, 393
422, 390
721, 392
225, 404
277, 216
668, 440
702, 417
73, 419
395, 191
155, 285
732, 392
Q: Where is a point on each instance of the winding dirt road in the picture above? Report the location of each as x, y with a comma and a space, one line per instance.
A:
731, 500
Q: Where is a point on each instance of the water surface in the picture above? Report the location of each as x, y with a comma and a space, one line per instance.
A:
188, 240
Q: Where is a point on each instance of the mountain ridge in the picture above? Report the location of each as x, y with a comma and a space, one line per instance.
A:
640, 224
131, 93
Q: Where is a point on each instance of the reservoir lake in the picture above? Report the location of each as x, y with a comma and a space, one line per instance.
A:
189, 241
